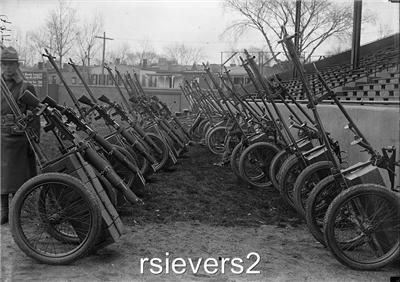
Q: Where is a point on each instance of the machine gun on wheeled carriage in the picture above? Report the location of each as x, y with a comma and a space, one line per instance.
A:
351, 210
66, 206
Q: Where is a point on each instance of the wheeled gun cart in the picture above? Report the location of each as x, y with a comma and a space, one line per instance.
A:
104, 115
158, 129
64, 212
298, 158
261, 129
169, 118
352, 211
154, 109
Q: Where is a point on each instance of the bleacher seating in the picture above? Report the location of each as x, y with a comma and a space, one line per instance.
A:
376, 79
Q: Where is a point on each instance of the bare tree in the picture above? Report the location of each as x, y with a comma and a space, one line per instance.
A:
320, 20
384, 30
26, 50
120, 52
87, 45
184, 55
144, 50
40, 39
61, 28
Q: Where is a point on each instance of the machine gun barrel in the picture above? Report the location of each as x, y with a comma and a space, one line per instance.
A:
69, 91
287, 40
130, 93
124, 100
352, 124
88, 90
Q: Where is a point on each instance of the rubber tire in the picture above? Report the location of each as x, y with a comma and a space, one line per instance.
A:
244, 175
375, 191
235, 158
207, 133
303, 187
199, 131
164, 156
211, 127
313, 202
210, 142
91, 202
288, 174
275, 166
207, 127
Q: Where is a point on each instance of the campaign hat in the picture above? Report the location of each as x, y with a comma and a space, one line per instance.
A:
9, 54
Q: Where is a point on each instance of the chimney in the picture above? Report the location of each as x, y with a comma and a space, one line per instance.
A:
40, 65
117, 61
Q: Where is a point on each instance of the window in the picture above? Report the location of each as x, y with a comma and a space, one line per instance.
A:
74, 80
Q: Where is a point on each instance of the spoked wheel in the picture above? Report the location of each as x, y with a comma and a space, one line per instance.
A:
47, 206
307, 180
163, 156
199, 132
254, 164
362, 227
288, 174
275, 166
207, 128
216, 140
235, 158
55, 219
317, 204
193, 131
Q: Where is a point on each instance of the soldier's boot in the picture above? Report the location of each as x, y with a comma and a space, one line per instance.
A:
4, 209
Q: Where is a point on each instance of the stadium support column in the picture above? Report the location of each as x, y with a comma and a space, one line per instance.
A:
297, 31
355, 44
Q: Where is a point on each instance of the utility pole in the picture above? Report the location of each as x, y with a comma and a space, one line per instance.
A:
104, 52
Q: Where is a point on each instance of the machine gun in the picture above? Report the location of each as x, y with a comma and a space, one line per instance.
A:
130, 138
81, 125
126, 117
55, 122
103, 114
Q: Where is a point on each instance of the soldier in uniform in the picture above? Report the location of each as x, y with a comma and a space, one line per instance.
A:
17, 159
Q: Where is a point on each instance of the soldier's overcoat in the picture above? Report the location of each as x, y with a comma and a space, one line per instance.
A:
17, 158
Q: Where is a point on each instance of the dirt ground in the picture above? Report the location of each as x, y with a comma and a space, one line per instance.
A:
199, 211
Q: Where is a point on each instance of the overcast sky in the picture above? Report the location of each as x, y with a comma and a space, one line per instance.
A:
192, 22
